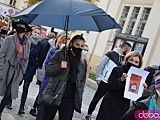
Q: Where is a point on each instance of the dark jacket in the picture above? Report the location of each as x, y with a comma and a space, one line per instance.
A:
114, 105
43, 54
115, 57
59, 76
141, 105
45, 80
32, 64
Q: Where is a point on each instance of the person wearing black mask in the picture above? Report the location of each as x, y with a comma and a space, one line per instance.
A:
35, 50
3, 32
107, 63
67, 70
114, 105
14, 54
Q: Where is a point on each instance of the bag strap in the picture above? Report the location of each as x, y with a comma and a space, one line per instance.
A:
61, 88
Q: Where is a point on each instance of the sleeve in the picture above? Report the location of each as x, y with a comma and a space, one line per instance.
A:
85, 72
54, 66
43, 54
48, 57
100, 67
3, 52
114, 81
129, 115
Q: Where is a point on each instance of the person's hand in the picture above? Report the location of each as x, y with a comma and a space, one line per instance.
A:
98, 81
124, 76
145, 85
63, 64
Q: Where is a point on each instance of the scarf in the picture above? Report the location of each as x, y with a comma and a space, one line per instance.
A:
152, 104
34, 41
20, 51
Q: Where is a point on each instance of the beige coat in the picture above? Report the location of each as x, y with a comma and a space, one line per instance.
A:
7, 66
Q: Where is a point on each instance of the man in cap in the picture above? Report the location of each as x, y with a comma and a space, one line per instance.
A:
14, 54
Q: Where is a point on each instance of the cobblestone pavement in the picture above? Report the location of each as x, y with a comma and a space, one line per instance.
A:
33, 90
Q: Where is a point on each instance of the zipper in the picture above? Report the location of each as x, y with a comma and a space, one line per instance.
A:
61, 88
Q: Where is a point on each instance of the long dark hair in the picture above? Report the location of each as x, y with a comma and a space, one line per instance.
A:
75, 38
72, 41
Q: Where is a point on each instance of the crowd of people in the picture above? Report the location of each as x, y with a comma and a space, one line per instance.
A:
62, 68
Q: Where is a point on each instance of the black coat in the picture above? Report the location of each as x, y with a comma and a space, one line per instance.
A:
59, 76
44, 51
142, 105
114, 105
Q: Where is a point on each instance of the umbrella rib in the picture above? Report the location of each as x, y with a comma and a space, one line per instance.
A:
96, 23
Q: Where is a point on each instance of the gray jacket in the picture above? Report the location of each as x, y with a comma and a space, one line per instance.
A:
8, 63
59, 76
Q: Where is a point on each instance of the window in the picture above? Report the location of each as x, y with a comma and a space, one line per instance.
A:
125, 11
135, 12
132, 20
145, 14
12, 2
130, 27
142, 23
123, 18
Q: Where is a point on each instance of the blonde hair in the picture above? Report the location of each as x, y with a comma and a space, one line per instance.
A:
60, 40
134, 54
62, 33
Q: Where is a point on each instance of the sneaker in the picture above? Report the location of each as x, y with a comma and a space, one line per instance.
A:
87, 117
33, 112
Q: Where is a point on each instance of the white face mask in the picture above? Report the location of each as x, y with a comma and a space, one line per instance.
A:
158, 92
62, 45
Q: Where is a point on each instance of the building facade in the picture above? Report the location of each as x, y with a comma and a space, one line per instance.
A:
11, 7
136, 17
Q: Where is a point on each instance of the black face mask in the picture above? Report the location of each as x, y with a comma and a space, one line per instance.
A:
125, 52
128, 66
3, 32
76, 51
20, 30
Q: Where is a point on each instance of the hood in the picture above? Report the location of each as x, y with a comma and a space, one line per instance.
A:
52, 42
117, 51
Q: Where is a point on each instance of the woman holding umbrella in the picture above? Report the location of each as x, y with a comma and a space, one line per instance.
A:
60, 43
66, 66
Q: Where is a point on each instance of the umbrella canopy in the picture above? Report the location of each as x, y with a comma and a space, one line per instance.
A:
68, 15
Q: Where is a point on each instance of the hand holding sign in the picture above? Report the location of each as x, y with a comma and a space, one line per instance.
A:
134, 83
